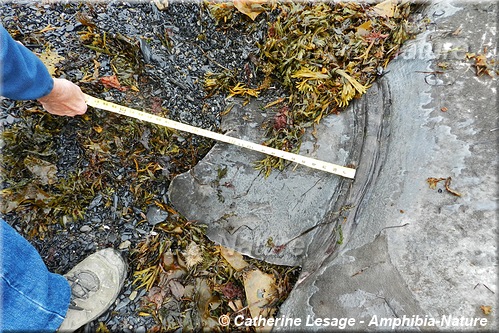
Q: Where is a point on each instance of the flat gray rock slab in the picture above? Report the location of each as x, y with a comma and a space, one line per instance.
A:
385, 245
273, 218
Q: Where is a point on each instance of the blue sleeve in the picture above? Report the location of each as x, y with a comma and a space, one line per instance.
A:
23, 75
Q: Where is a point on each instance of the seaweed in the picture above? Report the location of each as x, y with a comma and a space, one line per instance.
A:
325, 54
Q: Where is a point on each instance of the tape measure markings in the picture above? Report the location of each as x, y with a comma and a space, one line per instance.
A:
140, 115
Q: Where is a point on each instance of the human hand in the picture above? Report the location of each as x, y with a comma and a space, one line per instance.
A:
65, 99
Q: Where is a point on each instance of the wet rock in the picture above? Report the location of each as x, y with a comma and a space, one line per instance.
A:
122, 304
245, 211
124, 245
146, 50
133, 295
361, 256
86, 228
423, 143
96, 201
156, 215
140, 329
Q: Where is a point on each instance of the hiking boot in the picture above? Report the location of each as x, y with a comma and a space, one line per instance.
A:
95, 284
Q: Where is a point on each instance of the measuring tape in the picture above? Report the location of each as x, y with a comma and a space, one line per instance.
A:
303, 160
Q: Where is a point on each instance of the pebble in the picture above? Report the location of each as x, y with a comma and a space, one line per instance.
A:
126, 236
90, 247
122, 304
142, 231
133, 295
156, 215
86, 228
124, 245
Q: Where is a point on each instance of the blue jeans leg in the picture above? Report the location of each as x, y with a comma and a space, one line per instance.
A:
31, 298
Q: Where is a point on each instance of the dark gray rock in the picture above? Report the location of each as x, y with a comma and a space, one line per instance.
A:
156, 215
